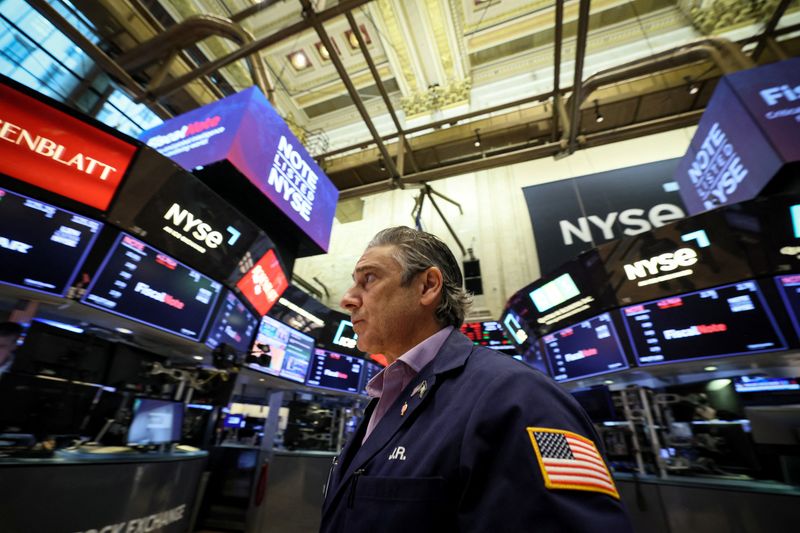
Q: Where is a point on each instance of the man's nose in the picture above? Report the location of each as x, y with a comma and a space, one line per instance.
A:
349, 300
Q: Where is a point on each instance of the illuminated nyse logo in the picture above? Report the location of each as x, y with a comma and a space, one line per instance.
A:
717, 169
15, 246
773, 95
185, 131
342, 339
633, 220
293, 179
145, 290
668, 262
203, 232
52, 150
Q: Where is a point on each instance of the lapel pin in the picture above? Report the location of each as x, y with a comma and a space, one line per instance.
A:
422, 389
404, 409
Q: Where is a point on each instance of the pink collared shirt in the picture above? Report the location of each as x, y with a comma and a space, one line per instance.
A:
392, 380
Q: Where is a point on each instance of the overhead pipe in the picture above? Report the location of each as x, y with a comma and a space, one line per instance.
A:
725, 54
557, 67
577, 84
191, 31
255, 46
94, 52
308, 13
381, 89
769, 28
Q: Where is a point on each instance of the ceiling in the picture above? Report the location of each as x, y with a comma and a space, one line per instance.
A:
460, 85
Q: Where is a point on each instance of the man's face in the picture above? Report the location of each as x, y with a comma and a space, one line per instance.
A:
384, 313
7, 345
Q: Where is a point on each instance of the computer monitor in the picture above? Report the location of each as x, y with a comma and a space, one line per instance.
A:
335, 371
234, 325
774, 424
155, 422
489, 334
289, 350
588, 348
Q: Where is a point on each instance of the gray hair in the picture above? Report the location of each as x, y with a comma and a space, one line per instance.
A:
416, 251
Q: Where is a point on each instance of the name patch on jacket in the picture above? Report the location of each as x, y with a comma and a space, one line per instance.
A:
570, 461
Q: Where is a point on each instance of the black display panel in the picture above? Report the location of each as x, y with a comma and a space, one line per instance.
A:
789, 287
575, 291
41, 246
489, 334
689, 254
370, 371
289, 350
336, 371
155, 422
727, 320
588, 348
139, 282
234, 325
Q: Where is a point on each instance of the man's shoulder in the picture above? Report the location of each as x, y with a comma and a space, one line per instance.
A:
499, 370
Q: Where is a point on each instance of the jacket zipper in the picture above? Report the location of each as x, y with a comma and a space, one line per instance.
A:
352, 496
327, 485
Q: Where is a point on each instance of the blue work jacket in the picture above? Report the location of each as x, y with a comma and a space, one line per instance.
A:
455, 454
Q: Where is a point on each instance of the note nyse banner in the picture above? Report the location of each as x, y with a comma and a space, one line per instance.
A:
749, 130
246, 131
570, 216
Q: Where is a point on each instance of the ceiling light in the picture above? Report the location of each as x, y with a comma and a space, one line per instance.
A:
198, 357
710, 368
477, 142
382, 165
609, 382
691, 86
598, 117
299, 60
124, 331
352, 39
323, 51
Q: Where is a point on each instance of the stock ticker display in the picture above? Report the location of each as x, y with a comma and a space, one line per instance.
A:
585, 349
727, 320
41, 246
139, 282
336, 371
289, 350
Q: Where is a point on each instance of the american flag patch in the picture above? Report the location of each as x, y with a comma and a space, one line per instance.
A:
569, 461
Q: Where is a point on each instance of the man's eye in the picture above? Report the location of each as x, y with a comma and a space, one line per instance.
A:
369, 278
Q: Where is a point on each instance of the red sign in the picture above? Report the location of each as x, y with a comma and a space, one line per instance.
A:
55, 151
265, 283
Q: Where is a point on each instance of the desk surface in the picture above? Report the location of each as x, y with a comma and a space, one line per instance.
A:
80, 457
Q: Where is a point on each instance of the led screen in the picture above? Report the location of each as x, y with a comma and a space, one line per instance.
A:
370, 371
586, 349
41, 246
264, 283
139, 282
234, 325
489, 334
155, 422
764, 384
331, 370
289, 350
789, 287
726, 320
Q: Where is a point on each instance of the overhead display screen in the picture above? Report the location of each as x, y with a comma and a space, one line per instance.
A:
336, 371
41, 246
139, 282
264, 283
489, 334
234, 325
789, 287
289, 350
726, 320
686, 255
586, 349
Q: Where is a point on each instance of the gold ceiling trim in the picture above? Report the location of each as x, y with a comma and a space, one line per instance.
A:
522, 10
320, 93
398, 43
439, 23
437, 99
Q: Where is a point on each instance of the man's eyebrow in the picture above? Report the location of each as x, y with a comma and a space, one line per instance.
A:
369, 266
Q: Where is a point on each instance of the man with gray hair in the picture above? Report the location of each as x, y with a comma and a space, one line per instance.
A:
457, 437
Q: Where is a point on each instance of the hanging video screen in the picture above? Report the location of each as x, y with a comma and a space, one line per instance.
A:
234, 325
336, 371
41, 246
489, 334
789, 287
727, 320
139, 282
586, 349
289, 350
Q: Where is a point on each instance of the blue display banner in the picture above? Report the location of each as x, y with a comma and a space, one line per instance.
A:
246, 131
748, 132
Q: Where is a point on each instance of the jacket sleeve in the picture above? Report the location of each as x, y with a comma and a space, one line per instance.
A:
502, 479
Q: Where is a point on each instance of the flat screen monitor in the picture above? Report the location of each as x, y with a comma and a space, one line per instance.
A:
746, 384
335, 371
370, 371
139, 282
289, 350
233, 421
774, 424
588, 348
41, 246
234, 325
155, 422
489, 334
789, 287
726, 320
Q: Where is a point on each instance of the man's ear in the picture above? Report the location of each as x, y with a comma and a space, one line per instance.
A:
432, 285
